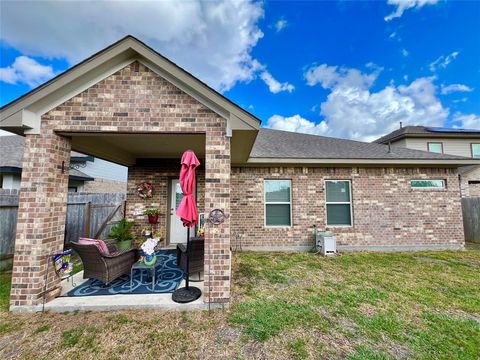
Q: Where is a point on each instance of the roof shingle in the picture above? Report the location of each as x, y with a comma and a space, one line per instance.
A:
283, 144
427, 131
11, 155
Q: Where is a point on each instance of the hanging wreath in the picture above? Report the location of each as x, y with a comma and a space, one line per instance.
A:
145, 190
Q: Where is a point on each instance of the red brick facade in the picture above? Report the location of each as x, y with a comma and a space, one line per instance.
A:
136, 100
41, 217
133, 100
470, 183
159, 176
386, 211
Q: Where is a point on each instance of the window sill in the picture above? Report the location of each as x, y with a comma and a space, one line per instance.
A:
427, 189
278, 227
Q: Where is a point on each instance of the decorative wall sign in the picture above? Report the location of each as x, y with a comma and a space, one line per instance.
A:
217, 216
145, 190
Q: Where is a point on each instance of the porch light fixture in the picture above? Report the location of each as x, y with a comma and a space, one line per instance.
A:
76, 166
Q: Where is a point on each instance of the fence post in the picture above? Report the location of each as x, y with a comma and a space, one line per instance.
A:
87, 218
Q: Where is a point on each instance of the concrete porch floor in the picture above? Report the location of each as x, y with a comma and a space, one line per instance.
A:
117, 302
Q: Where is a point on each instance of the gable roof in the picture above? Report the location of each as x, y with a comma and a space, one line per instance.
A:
24, 113
11, 148
275, 146
424, 131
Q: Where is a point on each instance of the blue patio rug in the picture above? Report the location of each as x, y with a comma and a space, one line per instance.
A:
167, 280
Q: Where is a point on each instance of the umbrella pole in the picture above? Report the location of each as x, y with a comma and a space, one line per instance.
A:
188, 293
188, 259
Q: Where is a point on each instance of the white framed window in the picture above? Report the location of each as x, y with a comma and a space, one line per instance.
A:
278, 202
427, 184
476, 150
338, 202
435, 147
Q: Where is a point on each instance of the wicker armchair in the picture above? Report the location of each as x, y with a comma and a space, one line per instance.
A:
102, 267
197, 255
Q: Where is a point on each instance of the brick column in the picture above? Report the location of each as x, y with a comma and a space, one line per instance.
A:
41, 217
217, 272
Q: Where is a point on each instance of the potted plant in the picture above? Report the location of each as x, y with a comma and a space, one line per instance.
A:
147, 231
152, 215
122, 233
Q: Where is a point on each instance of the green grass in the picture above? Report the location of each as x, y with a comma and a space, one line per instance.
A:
365, 353
426, 304
298, 348
5, 281
71, 337
423, 305
42, 328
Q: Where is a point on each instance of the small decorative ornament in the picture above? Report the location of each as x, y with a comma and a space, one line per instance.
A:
148, 251
63, 263
217, 216
145, 190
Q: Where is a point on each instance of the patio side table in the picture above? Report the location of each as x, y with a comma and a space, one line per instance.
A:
140, 266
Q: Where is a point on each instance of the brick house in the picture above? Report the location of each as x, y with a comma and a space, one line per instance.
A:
461, 142
11, 148
130, 105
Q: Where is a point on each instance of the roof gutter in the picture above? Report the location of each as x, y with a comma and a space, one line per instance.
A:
415, 162
430, 135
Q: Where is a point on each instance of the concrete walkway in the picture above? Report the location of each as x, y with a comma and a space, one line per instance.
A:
117, 302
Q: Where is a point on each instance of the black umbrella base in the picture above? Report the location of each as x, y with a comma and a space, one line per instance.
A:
186, 295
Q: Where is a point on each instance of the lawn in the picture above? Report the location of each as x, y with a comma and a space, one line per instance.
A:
423, 305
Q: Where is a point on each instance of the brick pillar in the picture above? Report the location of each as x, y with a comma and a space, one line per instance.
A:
217, 272
41, 217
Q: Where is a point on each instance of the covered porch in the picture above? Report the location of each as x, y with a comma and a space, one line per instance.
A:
155, 159
130, 105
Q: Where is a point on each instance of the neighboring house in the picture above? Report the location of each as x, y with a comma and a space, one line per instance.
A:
461, 142
96, 175
131, 105
109, 177
11, 154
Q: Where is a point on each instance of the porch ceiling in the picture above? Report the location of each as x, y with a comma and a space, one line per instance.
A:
125, 149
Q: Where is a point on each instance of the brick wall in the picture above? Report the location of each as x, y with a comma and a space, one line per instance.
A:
469, 183
386, 211
474, 189
159, 176
41, 217
105, 186
133, 100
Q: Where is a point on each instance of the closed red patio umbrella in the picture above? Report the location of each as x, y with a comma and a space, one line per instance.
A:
188, 213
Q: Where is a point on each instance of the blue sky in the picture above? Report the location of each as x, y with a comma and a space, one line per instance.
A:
350, 69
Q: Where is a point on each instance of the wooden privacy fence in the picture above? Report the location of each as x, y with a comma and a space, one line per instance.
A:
92, 215
471, 219
8, 223
89, 215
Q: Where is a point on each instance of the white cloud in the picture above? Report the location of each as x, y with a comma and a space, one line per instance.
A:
467, 121
443, 61
213, 40
333, 76
25, 70
280, 24
274, 85
296, 123
455, 88
353, 110
403, 5
405, 52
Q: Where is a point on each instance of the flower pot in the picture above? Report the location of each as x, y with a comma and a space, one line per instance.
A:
150, 260
124, 245
152, 219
